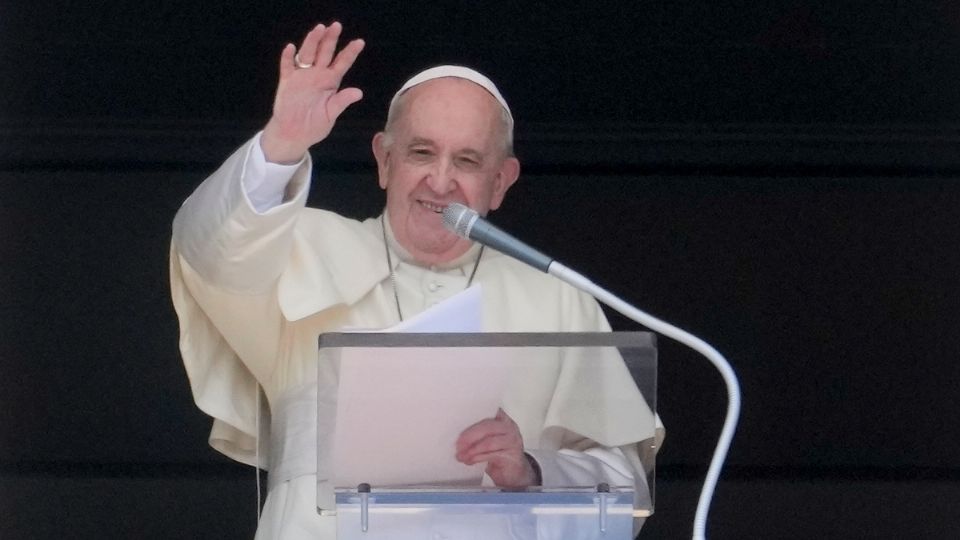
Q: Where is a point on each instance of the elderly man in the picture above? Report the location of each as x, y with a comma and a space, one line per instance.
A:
256, 277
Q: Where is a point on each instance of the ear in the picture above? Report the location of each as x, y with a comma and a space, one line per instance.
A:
508, 174
381, 153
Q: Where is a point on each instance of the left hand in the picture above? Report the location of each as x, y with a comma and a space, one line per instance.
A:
497, 442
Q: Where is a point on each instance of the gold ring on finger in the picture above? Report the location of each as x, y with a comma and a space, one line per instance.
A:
299, 63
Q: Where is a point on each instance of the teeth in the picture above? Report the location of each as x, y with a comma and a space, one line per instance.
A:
432, 207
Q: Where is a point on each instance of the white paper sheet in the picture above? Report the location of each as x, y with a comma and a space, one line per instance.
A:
400, 410
462, 312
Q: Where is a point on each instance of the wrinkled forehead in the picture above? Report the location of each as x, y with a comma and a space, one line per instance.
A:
458, 72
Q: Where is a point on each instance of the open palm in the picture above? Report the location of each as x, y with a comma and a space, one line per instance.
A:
309, 100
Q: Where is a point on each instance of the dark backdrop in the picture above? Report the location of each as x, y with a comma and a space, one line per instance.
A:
779, 178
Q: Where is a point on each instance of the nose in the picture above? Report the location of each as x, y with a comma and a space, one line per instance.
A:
443, 178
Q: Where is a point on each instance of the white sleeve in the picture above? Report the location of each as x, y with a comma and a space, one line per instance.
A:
265, 183
590, 467
223, 237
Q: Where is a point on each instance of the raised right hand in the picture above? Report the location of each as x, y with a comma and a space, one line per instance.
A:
309, 100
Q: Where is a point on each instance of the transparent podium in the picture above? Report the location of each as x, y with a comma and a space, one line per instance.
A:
404, 398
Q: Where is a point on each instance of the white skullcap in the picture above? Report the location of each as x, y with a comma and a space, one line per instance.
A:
459, 72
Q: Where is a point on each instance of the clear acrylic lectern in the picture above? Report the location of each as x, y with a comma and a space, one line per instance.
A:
404, 398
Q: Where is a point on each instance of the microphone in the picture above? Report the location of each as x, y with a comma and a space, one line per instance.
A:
467, 223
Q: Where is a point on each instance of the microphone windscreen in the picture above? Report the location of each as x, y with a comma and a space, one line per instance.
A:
459, 219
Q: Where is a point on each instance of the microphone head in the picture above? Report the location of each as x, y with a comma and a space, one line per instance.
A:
459, 219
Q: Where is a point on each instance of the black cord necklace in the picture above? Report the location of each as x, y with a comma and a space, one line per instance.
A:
393, 274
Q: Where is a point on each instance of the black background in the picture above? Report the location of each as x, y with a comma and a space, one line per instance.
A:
779, 178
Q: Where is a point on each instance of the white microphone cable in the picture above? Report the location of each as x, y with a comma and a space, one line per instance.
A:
462, 220
729, 377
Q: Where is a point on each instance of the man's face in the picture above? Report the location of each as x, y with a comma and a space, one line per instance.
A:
447, 146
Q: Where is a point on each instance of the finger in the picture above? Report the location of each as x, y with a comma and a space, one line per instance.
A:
341, 100
482, 429
509, 470
500, 424
500, 458
495, 443
286, 60
328, 44
308, 49
346, 57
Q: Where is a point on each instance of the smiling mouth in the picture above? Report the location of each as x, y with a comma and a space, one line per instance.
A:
436, 208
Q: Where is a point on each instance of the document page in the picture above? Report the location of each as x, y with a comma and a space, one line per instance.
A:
400, 410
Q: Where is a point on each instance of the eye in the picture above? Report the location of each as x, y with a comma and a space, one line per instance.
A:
469, 162
421, 152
